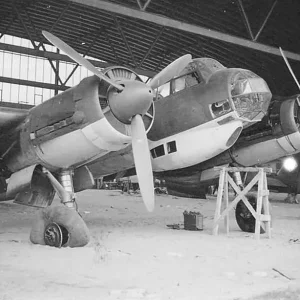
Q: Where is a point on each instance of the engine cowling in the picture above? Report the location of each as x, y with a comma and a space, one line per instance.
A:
73, 127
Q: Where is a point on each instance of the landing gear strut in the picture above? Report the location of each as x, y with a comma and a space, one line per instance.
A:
61, 225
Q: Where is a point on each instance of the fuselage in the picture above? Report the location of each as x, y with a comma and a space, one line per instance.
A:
198, 115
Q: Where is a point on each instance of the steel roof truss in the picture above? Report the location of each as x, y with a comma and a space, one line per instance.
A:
152, 45
125, 40
179, 25
111, 46
265, 21
24, 25
97, 33
143, 7
57, 19
42, 45
245, 18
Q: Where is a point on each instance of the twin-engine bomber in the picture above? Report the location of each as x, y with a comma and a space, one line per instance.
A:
191, 116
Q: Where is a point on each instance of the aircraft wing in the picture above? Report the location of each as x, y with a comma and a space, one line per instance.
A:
10, 118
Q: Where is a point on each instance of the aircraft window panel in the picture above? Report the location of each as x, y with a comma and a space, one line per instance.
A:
220, 108
179, 84
185, 81
159, 150
171, 147
153, 153
163, 91
249, 105
192, 79
247, 89
248, 86
258, 85
239, 87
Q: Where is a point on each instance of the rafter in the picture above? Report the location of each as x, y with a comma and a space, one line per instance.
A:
97, 33
111, 46
245, 18
125, 40
163, 57
44, 48
23, 24
265, 21
152, 45
164, 21
143, 7
57, 20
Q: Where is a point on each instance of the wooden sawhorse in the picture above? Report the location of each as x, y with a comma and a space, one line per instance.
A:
262, 198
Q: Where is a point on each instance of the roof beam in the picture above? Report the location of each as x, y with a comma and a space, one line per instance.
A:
62, 57
49, 86
165, 21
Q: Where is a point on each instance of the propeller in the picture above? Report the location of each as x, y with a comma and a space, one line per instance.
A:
170, 71
142, 161
78, 58
129, 101
289, 67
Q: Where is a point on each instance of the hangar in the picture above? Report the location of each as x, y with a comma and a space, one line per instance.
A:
146, 35
132, 255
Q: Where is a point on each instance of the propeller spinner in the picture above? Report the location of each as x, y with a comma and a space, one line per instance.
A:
129, 101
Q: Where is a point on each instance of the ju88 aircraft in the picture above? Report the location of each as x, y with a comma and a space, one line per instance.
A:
183, 122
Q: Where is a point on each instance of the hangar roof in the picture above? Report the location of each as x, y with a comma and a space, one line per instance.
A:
149, 34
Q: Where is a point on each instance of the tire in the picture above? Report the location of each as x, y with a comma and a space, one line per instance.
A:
68, 218
243, 216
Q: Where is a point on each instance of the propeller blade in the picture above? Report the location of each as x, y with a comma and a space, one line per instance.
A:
142, 161
170, 71
78, 58
289, 67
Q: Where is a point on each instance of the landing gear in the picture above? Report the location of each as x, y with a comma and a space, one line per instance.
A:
61, 225
243, 216
291, 198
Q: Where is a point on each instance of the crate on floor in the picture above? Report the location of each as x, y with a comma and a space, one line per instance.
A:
193, 220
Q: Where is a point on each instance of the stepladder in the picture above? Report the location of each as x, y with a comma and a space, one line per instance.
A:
261, 214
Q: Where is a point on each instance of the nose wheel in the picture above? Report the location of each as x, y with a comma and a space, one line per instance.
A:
244, 217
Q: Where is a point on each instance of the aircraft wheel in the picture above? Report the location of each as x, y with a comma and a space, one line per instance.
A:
243, 216
59, 226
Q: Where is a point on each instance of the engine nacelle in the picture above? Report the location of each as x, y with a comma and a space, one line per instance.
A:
73, 127
282, 140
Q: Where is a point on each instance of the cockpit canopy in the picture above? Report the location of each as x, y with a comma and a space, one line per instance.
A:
198, 71
245, 92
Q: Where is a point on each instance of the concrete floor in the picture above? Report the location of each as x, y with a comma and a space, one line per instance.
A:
134, 255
